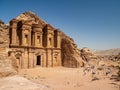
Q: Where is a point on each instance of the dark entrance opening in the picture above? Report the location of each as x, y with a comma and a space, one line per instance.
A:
38, 60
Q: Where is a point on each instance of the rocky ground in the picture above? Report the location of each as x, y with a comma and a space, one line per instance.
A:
59, 78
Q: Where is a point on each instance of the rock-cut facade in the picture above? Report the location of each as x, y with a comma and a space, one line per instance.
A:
34, 43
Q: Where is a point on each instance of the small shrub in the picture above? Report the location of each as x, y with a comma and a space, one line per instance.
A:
99, 68
118, 73
112, 66
95, 78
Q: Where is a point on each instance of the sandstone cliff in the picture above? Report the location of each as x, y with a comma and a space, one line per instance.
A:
4, 37
71, 56
6, 67
87, 54
32, 17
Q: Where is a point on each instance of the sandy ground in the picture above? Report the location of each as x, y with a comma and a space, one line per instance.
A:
59, 78
20, 83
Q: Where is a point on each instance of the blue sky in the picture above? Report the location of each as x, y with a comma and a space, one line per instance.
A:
91, 23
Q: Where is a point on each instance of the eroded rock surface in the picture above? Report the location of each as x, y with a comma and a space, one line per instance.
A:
70, 53
6, 68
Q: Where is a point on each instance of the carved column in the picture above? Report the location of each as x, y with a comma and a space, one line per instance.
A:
29, 37
13, 32
38, 34
26, 33
50, 36
35, 39
57, 39
22, 38
41, 39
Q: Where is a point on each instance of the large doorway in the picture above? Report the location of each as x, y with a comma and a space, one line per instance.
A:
38, 60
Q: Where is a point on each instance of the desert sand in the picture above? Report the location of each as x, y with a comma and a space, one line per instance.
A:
59, 78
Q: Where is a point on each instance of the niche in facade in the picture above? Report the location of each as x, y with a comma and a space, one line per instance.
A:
26, 39
38, 39
50, 41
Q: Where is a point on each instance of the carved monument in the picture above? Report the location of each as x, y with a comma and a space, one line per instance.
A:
34, 45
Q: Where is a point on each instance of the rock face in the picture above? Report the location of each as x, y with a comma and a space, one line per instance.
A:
6, 68
87, 54
32, 17
70, 53
4, 35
